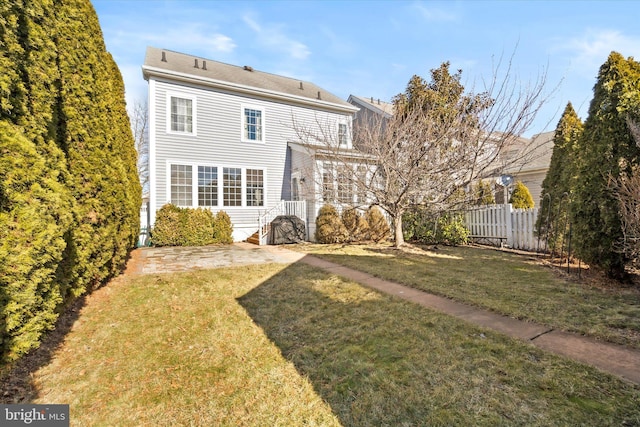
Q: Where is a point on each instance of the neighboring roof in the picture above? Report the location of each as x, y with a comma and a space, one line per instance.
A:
180, 66
375, 105
540, 149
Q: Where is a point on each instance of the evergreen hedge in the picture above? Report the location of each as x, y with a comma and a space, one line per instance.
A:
176, 226
69, 192
378, 225
329, 226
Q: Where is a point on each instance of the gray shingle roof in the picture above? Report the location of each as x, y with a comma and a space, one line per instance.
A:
377, 106
213, 72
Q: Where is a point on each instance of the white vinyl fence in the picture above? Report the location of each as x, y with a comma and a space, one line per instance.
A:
143, 239
504, 225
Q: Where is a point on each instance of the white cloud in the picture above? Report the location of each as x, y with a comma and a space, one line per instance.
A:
211, 43
433, 14
274, 38
590, 50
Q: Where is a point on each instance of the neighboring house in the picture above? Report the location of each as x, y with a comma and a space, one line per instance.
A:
370, 109
231, 138
532, 167
527, 161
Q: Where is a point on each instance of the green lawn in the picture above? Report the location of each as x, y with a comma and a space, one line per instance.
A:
510, 284
293, 345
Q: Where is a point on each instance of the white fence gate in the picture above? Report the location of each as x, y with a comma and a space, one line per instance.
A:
502, 224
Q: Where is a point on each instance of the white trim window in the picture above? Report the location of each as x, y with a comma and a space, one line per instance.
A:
181, 114
344, 181
212, 186
255, 187
181, 185
253, 119
207, 186
328, 183
343, 135
232, 187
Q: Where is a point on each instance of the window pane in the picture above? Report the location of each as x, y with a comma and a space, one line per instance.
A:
362, 184
232, 186
345, 188
207, 186
327, 183
252, 124
181, 182
181, 115
342, 134
255, 187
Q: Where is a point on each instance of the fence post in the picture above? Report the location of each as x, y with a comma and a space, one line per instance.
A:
508, 219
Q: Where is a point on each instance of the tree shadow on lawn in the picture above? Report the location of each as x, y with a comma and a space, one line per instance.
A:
17, 385
377, 360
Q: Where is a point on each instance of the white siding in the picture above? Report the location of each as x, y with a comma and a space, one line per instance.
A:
217, 140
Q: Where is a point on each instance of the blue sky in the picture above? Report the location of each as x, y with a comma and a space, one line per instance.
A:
372, 48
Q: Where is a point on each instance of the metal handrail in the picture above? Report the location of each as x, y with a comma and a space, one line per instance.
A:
285, 207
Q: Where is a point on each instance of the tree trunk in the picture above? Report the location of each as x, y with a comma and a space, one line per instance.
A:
398, 236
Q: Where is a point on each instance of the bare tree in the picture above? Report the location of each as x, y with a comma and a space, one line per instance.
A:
140, 129
438, 141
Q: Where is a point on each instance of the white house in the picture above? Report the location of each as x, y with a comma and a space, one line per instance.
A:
227, 137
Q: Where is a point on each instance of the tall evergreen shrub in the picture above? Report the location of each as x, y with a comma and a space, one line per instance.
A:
62, 118
559, 183
608, 152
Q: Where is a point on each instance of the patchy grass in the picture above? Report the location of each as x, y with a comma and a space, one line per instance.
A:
278, 345
178, 350
510, 284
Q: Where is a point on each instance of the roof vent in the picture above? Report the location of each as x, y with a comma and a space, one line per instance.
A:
319, 95
246, 67
204, 64
301, 88
164, 57
195, 65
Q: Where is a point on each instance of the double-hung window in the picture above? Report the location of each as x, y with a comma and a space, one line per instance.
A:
342, 135
255, 187
328, 192
345, 186
207, 186
210, 186
232, 186
181, 185
182, 111
252, 124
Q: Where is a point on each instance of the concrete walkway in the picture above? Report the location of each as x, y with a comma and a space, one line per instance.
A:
614, 359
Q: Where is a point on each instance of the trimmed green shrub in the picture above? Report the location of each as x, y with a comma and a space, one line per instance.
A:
222, 228
198, 227
168, 230
521, 197
176, 226
357, 227
329, 226
378, 225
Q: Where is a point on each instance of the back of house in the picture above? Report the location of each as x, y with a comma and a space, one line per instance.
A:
220, 136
